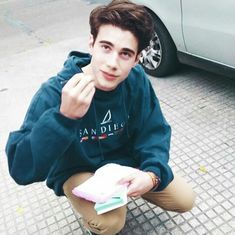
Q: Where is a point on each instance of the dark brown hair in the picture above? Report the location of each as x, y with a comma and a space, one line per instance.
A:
127, 16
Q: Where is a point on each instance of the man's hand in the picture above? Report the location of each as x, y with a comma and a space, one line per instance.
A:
138, 183
77, 95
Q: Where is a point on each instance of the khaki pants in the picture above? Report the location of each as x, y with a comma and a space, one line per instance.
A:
178, 196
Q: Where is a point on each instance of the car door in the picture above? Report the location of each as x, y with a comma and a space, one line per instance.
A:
209, 29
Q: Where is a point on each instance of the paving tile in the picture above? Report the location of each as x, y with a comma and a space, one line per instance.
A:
186, 228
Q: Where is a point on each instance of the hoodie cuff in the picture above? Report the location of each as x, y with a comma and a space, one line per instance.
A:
65, 121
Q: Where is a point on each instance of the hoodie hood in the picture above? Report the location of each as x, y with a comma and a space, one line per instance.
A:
76, 60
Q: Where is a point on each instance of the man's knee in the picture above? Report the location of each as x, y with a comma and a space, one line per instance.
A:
178, 196
186, 203
182, 194
108, 224
115, 224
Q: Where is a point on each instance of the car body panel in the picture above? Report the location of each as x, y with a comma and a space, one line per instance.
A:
209, 29
203, 29
169, 12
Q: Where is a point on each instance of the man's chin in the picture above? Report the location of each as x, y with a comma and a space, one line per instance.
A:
105, 87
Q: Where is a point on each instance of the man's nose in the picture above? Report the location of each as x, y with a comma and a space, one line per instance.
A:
112, 60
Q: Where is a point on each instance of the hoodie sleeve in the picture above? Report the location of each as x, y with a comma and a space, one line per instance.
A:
44, 137
152, 141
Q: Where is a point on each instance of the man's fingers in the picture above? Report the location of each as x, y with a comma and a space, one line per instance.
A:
82, 84
87, 93
72, 82
86, 90
77, 95
85, 96
90, 94
126, 179
78, 81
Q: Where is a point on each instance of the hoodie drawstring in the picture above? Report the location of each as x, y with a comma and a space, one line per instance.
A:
96, 125
125, 111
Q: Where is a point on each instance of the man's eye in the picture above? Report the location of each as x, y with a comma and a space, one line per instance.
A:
126, 55
105, 47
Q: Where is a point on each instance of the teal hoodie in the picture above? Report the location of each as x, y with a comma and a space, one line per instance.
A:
123, 126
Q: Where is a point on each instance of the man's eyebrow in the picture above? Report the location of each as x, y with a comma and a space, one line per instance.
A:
123, 49
106, 42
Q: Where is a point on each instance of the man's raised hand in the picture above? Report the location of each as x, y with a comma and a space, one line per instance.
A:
77, 95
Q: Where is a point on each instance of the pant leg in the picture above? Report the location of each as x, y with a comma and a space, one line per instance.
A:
178, 196
108, 223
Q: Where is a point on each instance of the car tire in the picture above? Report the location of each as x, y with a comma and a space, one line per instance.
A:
159, 59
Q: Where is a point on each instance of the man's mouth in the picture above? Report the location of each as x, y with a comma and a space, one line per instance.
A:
109, 76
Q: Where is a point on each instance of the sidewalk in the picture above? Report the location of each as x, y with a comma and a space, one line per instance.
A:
201, 110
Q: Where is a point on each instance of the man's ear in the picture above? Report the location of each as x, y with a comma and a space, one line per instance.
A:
137, 59
91, 43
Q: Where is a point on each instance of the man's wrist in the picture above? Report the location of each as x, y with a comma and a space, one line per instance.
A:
155, 179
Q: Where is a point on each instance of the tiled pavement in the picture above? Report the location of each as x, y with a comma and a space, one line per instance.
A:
201, 109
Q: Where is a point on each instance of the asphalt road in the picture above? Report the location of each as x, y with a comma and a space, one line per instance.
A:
27, 24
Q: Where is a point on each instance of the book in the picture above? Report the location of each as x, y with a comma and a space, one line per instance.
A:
103, 188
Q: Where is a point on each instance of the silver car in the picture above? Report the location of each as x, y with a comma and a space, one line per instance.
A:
199, 33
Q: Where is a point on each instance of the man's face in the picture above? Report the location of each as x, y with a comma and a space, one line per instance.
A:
114, 53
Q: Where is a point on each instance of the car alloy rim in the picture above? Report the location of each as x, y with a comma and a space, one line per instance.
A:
152, 55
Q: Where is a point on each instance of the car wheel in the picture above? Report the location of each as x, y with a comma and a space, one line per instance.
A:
159, 59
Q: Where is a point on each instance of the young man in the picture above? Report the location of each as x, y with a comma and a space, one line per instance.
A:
100, 109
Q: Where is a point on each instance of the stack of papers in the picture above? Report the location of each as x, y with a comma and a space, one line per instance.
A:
117, 200
103, 188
